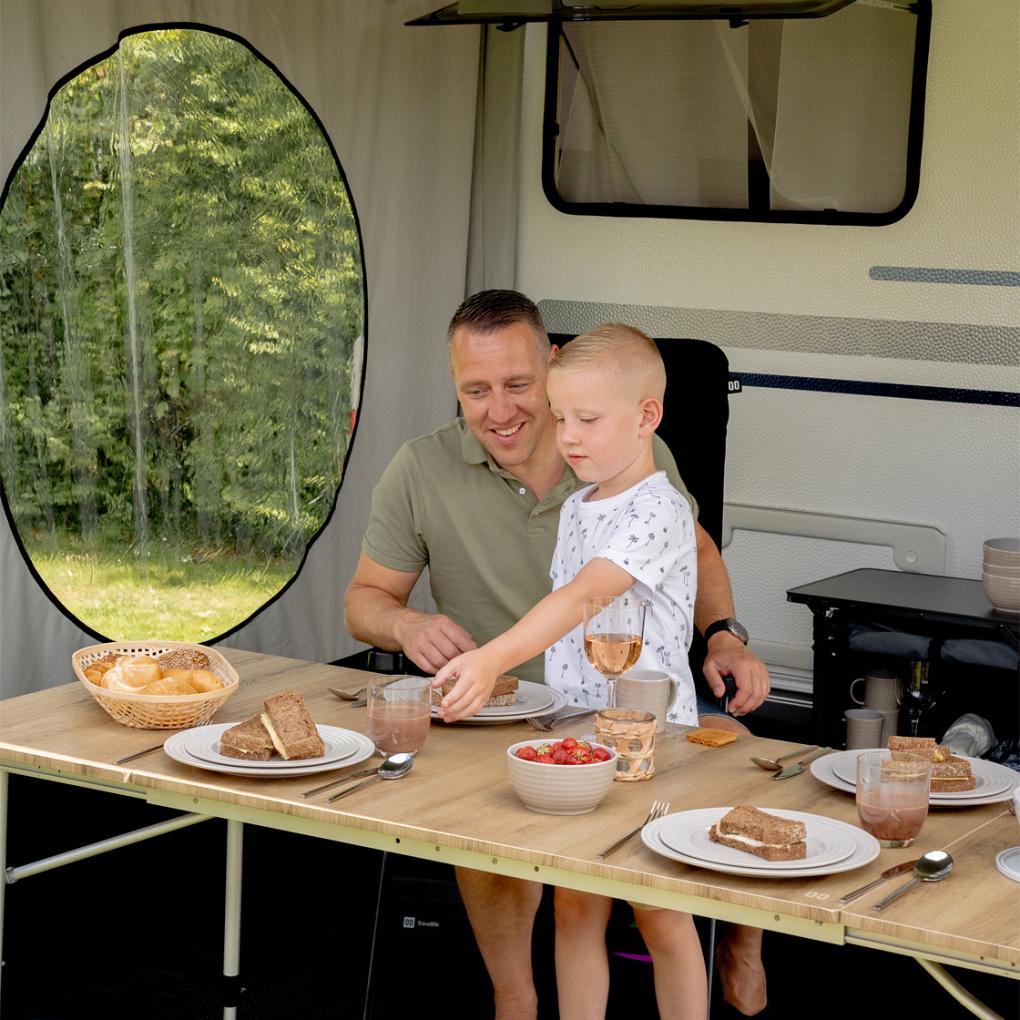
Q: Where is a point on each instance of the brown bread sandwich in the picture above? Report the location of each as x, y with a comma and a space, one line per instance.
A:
290, 727
764, 835
504, 692
249, 740
948, 772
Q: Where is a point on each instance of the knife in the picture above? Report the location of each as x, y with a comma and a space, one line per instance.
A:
896, 869
795, 770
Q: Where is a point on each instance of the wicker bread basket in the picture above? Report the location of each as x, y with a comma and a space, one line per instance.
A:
150, 712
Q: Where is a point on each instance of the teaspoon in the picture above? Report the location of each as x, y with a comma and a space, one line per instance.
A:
930, 867
394, 767
346, 695
773, 764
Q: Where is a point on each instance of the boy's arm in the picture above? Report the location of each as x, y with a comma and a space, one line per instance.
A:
543, 625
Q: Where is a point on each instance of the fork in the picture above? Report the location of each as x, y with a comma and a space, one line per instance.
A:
155, 747
548, 724
657, 810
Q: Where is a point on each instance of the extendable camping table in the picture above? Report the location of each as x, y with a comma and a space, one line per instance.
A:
457, 806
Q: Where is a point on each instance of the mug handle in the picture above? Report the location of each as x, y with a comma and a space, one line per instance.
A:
853, 697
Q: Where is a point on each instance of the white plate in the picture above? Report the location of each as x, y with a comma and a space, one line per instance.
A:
559, 701
827, 842
1008, 862
175, 748
822, 770
204, 742
989, 778
866, 849
532, 698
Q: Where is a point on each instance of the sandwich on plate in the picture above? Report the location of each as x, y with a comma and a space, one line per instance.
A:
290, 727
249, 740
504, 693
759, 833
948, 772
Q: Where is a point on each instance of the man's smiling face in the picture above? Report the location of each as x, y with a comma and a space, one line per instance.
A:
500, 380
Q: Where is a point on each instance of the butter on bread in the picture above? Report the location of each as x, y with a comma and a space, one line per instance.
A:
504, 692
290, 726
757, 832
710, 737
249, 740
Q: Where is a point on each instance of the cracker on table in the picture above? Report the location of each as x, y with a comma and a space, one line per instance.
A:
711, 738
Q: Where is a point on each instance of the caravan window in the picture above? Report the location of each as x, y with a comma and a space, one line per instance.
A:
182, 302
815, 120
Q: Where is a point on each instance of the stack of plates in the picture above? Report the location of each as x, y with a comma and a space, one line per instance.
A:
532, 700
200, 748
1000, 574
832, 846
992, 783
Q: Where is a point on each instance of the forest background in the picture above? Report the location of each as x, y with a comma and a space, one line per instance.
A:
181, 299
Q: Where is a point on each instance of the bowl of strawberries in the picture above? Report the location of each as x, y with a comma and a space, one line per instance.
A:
561, 777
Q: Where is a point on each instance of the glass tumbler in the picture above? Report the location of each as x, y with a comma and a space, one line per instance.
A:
399, 712
892, 796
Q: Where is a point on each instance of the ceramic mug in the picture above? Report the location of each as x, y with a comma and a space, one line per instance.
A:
882, 691
647, 690
863, 727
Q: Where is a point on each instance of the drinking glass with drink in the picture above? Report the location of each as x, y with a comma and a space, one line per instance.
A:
892, 796
614, 628
399, 712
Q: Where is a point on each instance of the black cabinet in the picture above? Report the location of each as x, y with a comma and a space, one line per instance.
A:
884, 618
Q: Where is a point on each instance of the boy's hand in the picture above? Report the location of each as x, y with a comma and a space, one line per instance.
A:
476, 678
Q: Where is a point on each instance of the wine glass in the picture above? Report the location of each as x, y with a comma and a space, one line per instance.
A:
614, 630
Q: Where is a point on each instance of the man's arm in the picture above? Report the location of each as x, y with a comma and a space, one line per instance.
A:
376, 611
727, 654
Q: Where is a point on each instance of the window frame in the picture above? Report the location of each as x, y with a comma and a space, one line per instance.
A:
832, 217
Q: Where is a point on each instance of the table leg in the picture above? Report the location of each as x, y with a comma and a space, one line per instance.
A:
3, 857
957, 991
232, 918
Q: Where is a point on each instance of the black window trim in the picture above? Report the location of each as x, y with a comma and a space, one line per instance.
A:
832, 217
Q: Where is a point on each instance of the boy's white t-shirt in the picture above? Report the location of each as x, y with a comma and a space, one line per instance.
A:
647, 530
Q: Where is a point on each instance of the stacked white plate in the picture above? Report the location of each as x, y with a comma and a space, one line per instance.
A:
200, 748
1000, 574
532, 700
992, 782
832, 845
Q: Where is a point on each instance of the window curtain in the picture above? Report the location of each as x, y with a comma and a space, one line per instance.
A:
399, 106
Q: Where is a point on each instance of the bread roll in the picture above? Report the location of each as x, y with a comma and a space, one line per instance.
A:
131, 674
205, 680
99, 669
170, 685
183, 658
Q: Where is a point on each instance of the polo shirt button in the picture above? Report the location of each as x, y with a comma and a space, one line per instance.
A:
523, 491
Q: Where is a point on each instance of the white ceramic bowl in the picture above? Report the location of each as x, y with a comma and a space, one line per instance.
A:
559, 789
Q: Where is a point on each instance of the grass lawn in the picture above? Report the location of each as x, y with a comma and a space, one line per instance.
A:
170, 593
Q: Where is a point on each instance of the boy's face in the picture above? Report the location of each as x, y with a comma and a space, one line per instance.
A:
603, 430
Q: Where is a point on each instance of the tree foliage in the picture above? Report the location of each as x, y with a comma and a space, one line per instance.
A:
180, 294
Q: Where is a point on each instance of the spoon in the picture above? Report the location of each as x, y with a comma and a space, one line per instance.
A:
394, 767
773, 764
930, 867
346, 695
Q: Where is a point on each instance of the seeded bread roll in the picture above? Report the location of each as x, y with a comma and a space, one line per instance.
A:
183, 658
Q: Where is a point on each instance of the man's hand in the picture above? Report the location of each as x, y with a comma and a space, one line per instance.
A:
430, 641
729, 656
476, 674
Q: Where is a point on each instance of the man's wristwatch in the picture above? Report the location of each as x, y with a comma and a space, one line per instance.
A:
738, 630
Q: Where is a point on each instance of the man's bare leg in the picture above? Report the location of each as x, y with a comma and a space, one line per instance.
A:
738, 953
502, 914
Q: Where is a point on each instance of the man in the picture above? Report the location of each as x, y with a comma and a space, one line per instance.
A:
477, 501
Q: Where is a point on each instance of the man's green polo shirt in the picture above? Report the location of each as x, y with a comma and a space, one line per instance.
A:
444, 503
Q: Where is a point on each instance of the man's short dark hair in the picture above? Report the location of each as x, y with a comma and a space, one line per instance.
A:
489, 310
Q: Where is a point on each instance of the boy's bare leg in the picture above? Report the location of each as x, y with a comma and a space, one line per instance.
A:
582, 962
680, 976
738, 953
681, 981
502, 914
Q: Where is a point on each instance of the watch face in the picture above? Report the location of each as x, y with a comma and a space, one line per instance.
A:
738, 629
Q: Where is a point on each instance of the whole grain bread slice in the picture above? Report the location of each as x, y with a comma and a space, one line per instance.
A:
249, 740
291, 727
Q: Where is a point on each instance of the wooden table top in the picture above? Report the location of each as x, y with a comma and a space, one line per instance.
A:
458, 796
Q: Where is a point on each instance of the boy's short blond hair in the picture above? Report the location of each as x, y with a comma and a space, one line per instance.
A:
624, 350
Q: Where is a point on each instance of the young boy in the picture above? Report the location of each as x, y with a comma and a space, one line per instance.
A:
630, 531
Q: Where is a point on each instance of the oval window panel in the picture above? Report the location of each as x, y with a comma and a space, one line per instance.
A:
182, 300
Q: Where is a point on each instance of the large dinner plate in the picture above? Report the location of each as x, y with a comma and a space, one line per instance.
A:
519, 711
865, 847
175, 747
989, 778
204, 742
827, 842
823, 770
